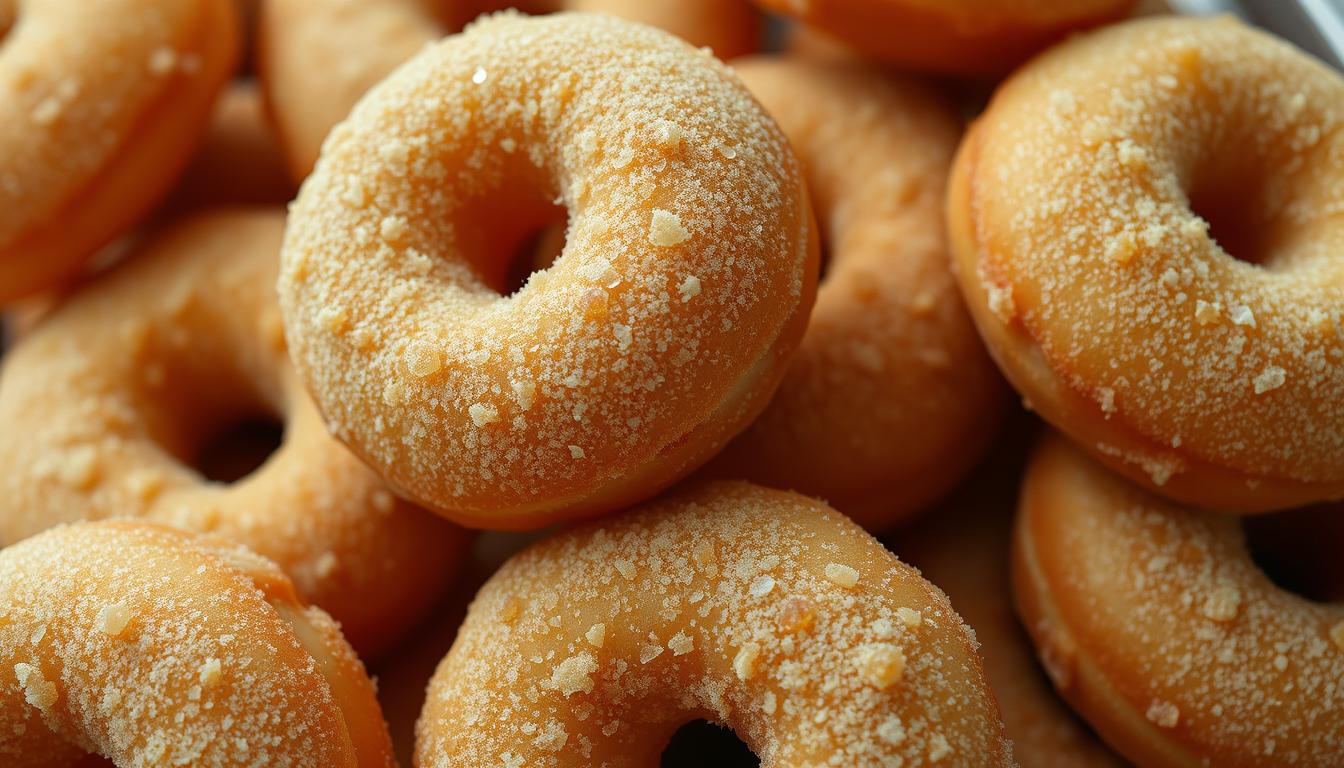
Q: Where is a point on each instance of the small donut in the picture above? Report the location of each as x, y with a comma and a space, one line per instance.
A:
1156, 624
151, 646
963, 549
101, 104
318, 57
1097, 212
762, 610
106, 407
239, 162
890, 349
967, 37
686, 279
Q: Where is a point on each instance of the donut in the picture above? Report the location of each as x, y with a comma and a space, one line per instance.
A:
101, 105
964, 37
317, 57
150, 646
1157, 625
962, 548
762, 610
109, 409
685, 282
1143, 226
239, 162
890, 349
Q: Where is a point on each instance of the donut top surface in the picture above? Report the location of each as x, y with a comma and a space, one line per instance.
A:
687, 255
1092, 168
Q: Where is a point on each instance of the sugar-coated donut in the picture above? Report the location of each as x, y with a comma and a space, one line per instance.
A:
956, 36
101, 104
153, 647
239, 161
890, 352
317, 57
1156, 624
962, 547
1101, 290
105, 407
759, 609
687, 275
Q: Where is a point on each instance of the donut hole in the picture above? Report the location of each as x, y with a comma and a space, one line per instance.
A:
700, 742
1235, 216
1298, 550
535, 252
238, 448
512, 230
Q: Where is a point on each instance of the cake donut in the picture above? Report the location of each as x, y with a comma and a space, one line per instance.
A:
688, 271
963, 549
1156, 624
151, 646
111, 404
101, 104
890, 349
317, 57
759, 609
968, 37
1143, 221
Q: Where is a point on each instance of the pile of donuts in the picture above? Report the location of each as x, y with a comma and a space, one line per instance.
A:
411, 382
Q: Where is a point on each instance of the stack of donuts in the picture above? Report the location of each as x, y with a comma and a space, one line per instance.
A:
430, 383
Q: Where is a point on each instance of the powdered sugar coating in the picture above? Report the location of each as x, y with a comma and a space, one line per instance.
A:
606, 375
1098, 284
218, 664
1156, 623
810, 673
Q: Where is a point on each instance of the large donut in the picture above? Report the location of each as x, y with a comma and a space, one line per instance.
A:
890, 350
962, 548
957, 36
660, 332
101, 104
104, 407
150, 646
759, 609
1104, 295
317, 57
1155, 623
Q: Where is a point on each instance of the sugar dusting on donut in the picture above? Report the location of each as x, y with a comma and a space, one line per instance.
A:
1089, 242
685, 254
757, 608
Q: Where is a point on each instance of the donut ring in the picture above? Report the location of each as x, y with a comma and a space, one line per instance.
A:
662, 329
1105, 298
968, 37
760, 609
963, 549
104, 405
318, 57
100, 107
153, 647
889, 349
1147, 615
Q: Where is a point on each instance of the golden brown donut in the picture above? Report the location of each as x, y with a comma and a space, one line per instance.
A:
106, 409
955, 36
760, 609
151, 646
661, 331
1156, 624
891, 397
1098, 210
317, 57
239, 161
101, 104
963, 547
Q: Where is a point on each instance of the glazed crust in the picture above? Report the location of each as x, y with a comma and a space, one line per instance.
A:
661, 331
1210, 380
1157, 626
759, 609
